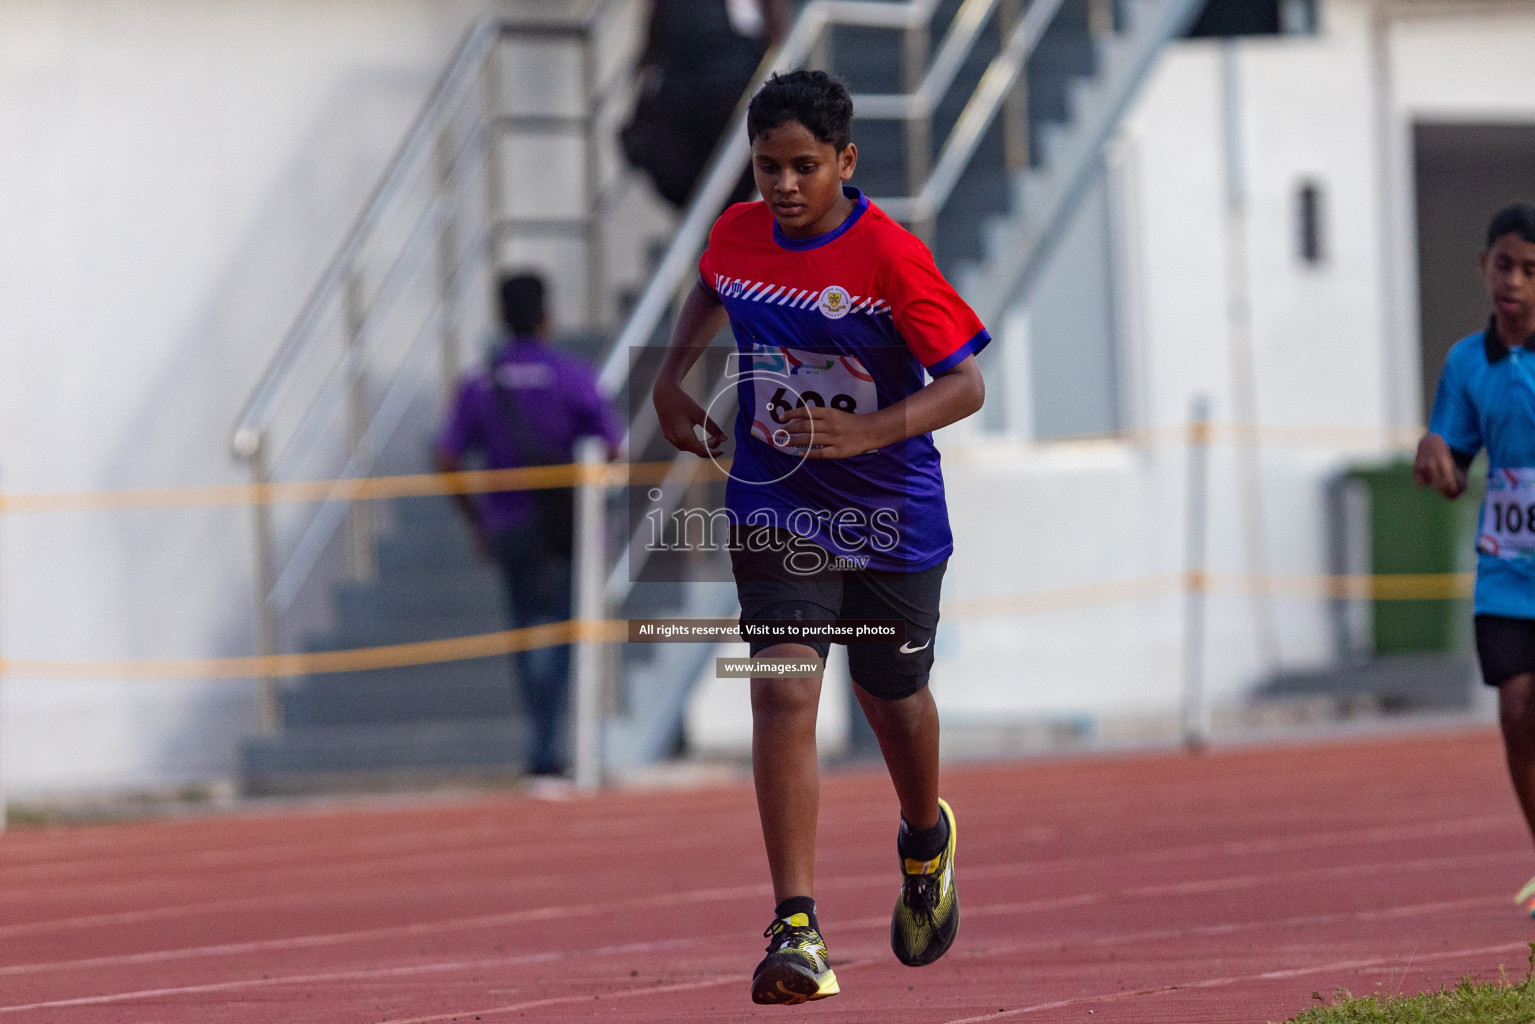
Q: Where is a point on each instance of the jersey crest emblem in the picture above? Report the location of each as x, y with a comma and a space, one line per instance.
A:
835, 302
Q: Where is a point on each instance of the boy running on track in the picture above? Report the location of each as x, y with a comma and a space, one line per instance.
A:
837, 311
1486, 398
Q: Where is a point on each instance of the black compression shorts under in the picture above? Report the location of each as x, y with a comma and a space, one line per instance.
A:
891, 670
1505, 647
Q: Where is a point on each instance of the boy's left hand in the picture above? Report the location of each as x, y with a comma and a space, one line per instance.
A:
831, 433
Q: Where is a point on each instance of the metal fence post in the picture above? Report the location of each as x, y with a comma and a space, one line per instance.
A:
447, 254
360, 514
588, 581
4, 803
915, 43
495, 198
1015, 108
266, 580
1196, 715
592, 200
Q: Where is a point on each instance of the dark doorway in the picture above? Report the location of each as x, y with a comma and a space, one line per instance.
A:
1465, 174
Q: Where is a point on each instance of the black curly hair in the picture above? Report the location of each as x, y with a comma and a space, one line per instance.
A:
522, 304
815, 99
1518, 219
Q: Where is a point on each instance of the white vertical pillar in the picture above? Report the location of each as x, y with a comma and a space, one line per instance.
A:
1244, 369
1196, 712
3, 803
587, 580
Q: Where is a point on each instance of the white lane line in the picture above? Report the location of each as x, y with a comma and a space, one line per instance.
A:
1120, 939
441, 860
397, 931
1415, 910
367, 974
352, 869
1202, 886
1405, 962
508, 918
1280, 844
438, 861
322, 851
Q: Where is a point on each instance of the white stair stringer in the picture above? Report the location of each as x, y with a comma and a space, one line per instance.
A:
1017, 246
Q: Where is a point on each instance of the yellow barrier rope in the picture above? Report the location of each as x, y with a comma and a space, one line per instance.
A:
632, 474
1263, 435
1413, 587
427, 652
1405, 587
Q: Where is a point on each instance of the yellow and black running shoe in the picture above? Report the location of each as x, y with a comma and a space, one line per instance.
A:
926, 917
796, 968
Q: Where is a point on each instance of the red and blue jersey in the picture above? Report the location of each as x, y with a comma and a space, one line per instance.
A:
851, 319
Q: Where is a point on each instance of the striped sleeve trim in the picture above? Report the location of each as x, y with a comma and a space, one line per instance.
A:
953, 359
783, 295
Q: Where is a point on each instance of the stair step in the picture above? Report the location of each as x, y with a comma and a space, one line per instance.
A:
411, 552
314, 758
866, 58
472, 596
434, 512
482, 687
389, 632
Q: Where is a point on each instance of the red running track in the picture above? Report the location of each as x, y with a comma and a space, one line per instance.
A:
1223, 887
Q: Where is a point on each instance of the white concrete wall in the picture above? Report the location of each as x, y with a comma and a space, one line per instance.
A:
175, 175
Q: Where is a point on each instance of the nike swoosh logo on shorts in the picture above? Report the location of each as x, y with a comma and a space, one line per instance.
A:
907, 648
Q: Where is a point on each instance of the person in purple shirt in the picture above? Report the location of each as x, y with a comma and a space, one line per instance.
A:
527, 407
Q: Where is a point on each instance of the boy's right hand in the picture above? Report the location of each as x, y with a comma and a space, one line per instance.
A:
679, 415
1434, 466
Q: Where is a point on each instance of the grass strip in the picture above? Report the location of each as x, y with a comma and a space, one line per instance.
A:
1469, 1002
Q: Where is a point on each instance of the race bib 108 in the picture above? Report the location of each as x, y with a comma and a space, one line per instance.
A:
1508, 515
788, 378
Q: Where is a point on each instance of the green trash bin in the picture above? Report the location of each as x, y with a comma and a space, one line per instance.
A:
1414, 529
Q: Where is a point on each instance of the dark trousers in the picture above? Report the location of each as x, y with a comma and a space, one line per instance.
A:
537, 587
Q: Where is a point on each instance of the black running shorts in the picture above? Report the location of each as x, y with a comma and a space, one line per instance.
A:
1505, 647
770, 590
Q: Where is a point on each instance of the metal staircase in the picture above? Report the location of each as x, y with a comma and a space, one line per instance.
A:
980, 136
357, 388
1068, 153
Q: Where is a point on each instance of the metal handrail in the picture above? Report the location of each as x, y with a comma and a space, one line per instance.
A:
452, 136
982, 108
1020, 268
464, 62
249, 427
391, 412
957, 43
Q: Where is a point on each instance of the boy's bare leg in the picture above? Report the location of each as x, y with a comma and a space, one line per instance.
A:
1516, 714
786, 773
907, 730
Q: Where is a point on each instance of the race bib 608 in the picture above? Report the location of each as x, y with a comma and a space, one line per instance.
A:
788, 378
